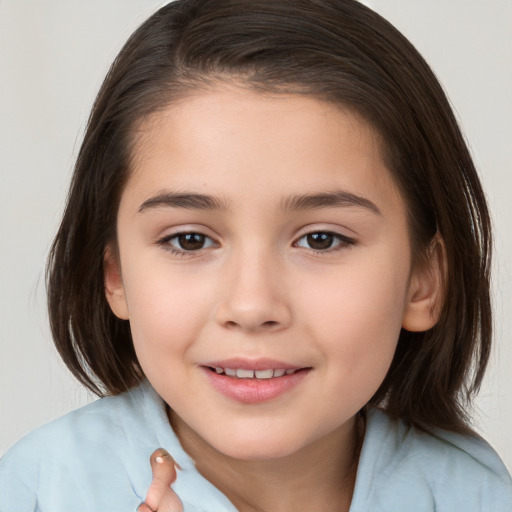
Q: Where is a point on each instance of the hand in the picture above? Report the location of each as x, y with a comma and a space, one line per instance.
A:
160, 496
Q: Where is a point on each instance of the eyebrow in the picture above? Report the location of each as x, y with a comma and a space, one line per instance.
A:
195, 201
329, 200
183, 200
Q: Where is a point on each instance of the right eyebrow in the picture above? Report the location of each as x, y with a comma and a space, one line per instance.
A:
183, 200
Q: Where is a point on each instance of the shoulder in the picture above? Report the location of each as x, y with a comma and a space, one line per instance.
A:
414, 470
98, 457
95, 423
91, 447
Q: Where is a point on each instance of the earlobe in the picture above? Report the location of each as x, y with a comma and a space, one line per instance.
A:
426, 290
114, 287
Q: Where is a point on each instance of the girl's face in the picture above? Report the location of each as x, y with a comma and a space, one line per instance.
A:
258, 236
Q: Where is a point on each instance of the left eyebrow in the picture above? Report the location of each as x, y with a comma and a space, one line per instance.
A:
185, 200
329, 200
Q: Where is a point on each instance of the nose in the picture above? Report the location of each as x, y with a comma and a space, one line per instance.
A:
253, 297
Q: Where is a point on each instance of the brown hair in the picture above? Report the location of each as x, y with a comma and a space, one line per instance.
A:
338, 51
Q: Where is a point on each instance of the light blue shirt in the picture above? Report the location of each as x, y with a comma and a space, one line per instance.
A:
97, 458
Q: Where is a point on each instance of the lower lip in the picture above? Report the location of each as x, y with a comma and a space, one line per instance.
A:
253, 391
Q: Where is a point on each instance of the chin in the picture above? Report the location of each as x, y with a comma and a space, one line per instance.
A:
259, 448
247, 438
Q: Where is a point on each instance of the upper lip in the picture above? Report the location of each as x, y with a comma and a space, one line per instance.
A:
252, 364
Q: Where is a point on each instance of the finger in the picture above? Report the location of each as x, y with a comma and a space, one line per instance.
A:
170, 502
144, 508
164, 474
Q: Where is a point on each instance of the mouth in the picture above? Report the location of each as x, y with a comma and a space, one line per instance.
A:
244, 373
252, 382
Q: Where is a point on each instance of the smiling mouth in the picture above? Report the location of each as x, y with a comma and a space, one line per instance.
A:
243, 373
254, 381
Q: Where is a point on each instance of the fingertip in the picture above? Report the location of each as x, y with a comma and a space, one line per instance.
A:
160, 456
163, 466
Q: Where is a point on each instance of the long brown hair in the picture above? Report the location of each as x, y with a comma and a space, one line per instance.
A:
335, 50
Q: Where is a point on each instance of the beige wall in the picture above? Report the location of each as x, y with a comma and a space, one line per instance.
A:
53, 56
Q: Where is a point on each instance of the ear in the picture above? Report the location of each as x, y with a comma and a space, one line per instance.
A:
426, 290
114, 287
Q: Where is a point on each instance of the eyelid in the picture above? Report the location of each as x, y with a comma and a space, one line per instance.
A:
335, 229
169, 231
206, 238
344, 240
164, 241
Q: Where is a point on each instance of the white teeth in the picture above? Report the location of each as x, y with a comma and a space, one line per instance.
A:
264, 374
242, 373
245, 374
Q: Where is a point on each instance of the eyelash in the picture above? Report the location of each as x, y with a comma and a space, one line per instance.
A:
165, 242
343, 242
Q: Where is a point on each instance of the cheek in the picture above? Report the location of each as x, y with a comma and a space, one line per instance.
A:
167, 311
359, 316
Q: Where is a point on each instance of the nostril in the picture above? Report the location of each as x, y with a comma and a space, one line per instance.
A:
269, 324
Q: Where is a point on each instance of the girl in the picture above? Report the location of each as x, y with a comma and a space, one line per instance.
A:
274, 265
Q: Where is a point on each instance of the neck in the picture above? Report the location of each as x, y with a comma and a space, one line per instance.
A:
320, 476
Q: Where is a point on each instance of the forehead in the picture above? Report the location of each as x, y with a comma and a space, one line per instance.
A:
230, 140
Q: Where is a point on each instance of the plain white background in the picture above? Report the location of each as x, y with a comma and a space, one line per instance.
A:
53, 56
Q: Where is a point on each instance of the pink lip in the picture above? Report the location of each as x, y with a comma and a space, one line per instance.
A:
253, 391
252, 364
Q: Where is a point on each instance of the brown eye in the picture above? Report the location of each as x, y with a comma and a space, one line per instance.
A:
320, 241
191, 241
182, 243
324, 241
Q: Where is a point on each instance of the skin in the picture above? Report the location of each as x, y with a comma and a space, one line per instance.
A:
258, 287
160, 496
